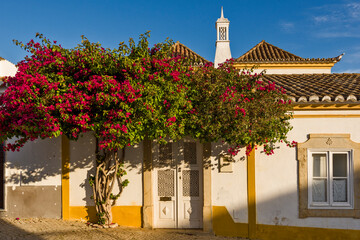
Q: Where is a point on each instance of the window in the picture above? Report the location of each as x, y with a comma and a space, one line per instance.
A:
329, 179
329, 173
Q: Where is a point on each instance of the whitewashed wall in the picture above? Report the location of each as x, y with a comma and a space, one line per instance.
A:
38, 163
277, 175
7, 68
230, 189
82, 159
33, 180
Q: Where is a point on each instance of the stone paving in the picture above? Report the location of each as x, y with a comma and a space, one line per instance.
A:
44, 229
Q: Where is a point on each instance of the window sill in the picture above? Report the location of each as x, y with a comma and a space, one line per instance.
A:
331, 207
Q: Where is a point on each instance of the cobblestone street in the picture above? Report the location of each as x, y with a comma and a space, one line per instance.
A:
40, 229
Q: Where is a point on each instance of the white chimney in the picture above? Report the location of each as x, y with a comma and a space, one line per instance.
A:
222, 40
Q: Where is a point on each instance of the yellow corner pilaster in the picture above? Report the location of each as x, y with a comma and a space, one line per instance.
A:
251, 195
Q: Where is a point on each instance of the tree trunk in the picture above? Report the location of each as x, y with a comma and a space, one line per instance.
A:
108, 170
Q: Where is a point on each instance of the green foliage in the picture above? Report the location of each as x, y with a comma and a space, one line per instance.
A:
101, 218
134, 92
237, 108
91, 180
125, 183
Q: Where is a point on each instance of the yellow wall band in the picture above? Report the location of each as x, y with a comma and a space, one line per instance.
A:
122, 215
272, 232
224, 225
327, 116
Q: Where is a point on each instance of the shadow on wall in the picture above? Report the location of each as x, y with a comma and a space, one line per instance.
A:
33, 175
132, 162
40, 160
277, 208
37, 161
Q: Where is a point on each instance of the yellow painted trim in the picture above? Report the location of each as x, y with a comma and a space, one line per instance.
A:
272, 232
285, 66
122, 215
251, 194
327, 116
307, 107
224, 225
65, 172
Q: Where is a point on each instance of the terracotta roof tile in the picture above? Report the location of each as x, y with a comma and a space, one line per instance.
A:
182, 50
324, 87
266, 52
1, 58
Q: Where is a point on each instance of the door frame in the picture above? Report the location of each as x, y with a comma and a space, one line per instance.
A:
148, 184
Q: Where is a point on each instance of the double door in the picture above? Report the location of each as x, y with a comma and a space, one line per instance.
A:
178, 195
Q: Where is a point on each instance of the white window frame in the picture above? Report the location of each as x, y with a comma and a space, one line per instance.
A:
330, 204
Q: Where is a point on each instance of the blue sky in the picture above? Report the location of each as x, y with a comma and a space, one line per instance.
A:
310, 29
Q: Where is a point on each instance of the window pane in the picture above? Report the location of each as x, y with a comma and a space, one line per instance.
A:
340, 165
340, 190
319, 193
319, 165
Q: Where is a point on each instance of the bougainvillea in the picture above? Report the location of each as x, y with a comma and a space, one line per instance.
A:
238, 108
125, 95
121, 96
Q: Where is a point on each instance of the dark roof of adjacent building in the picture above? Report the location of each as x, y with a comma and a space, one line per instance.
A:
335, 87
184, 51
265, 52
301, 88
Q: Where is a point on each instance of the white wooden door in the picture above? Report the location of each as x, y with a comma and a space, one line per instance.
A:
178, 185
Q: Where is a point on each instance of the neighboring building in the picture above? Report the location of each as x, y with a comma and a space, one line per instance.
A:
274, 60
308, 192
6, 69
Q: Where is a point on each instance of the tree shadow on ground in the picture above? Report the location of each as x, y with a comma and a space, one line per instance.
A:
10, 231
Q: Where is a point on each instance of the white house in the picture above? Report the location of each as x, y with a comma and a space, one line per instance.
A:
308, 192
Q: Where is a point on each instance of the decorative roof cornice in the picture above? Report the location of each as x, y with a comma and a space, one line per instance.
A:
265, 52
